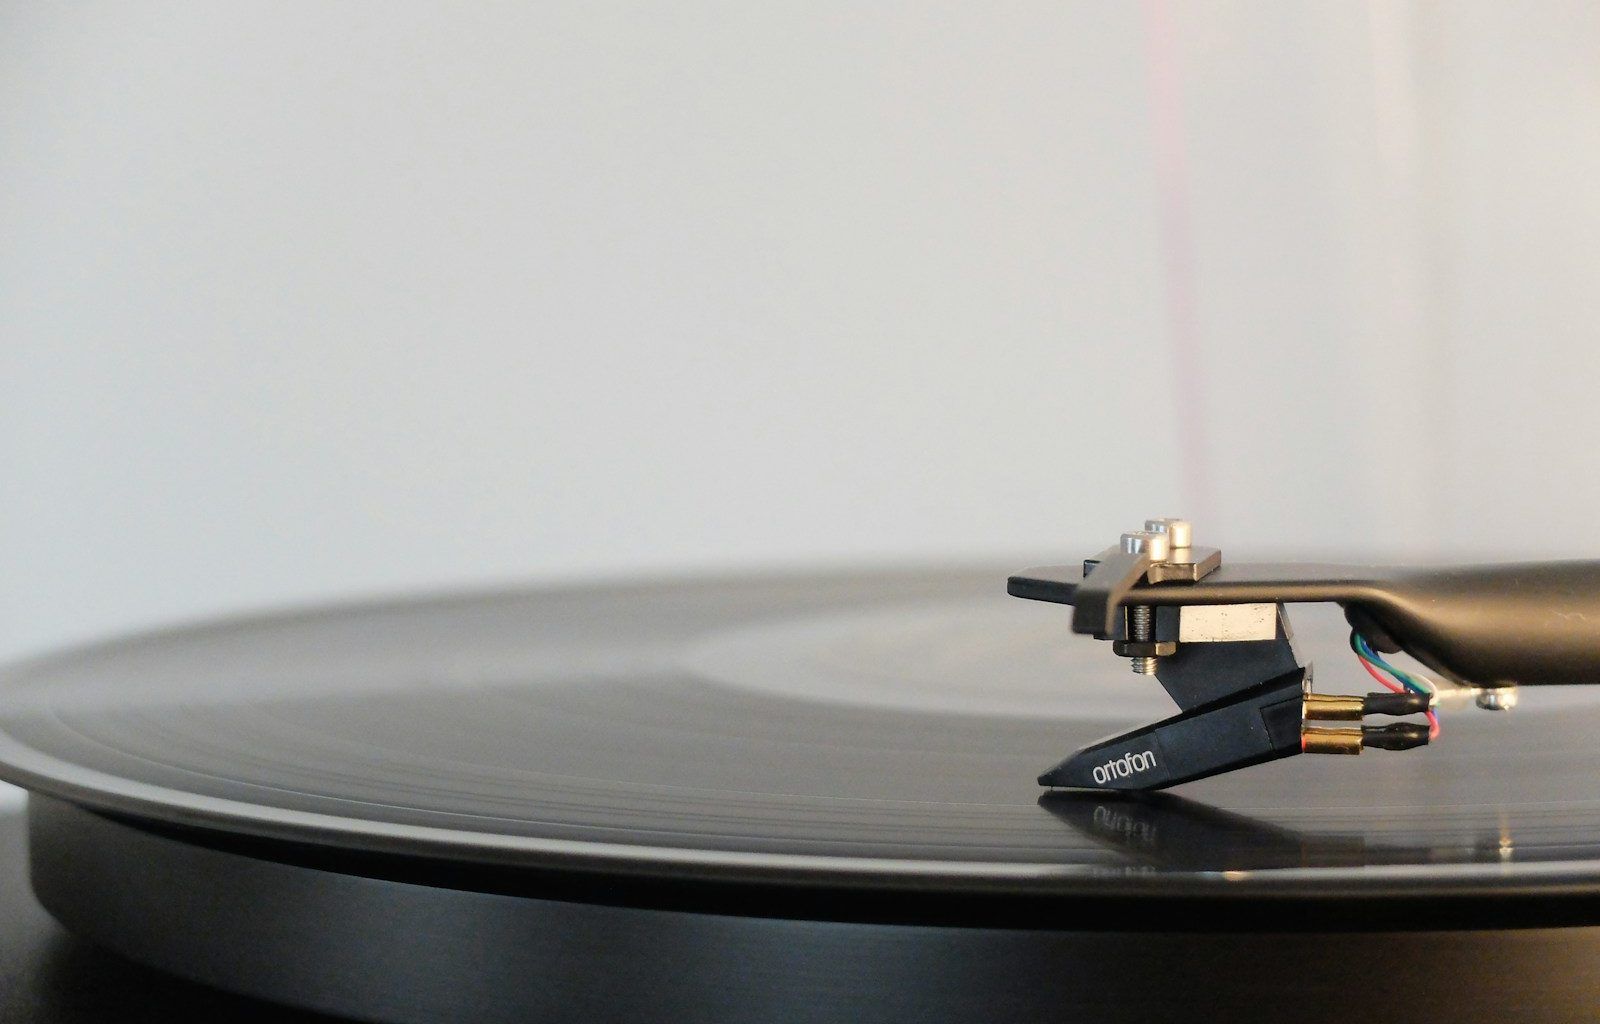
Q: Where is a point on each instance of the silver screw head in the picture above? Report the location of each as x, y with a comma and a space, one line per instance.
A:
1156, 545
1499, 698
1179, 531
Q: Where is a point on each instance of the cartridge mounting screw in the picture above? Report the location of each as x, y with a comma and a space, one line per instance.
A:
1141, 629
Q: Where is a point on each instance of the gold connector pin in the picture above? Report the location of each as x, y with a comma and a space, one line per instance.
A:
1331, 707
1330, 741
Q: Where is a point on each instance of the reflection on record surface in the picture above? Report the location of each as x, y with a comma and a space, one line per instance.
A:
878, 725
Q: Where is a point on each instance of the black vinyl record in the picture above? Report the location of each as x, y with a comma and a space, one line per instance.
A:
799, 798
871, 731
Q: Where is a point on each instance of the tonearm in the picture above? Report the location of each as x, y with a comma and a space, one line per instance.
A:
1217, 638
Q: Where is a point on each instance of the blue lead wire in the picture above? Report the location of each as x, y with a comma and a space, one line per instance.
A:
1405, 678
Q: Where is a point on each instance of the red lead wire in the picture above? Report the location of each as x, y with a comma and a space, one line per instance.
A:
1433, 719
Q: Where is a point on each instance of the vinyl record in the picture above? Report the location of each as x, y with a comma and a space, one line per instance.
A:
784, 798
872, 732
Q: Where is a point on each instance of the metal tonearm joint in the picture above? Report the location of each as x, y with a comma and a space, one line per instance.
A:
1217, 638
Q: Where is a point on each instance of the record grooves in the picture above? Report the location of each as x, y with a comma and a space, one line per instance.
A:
805, 797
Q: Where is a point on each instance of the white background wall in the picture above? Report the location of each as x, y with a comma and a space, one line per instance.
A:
305, 300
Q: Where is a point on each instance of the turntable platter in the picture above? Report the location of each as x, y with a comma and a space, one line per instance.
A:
801, 798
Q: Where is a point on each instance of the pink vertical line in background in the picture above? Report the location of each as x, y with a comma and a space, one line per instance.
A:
1178, 263
1417, 387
